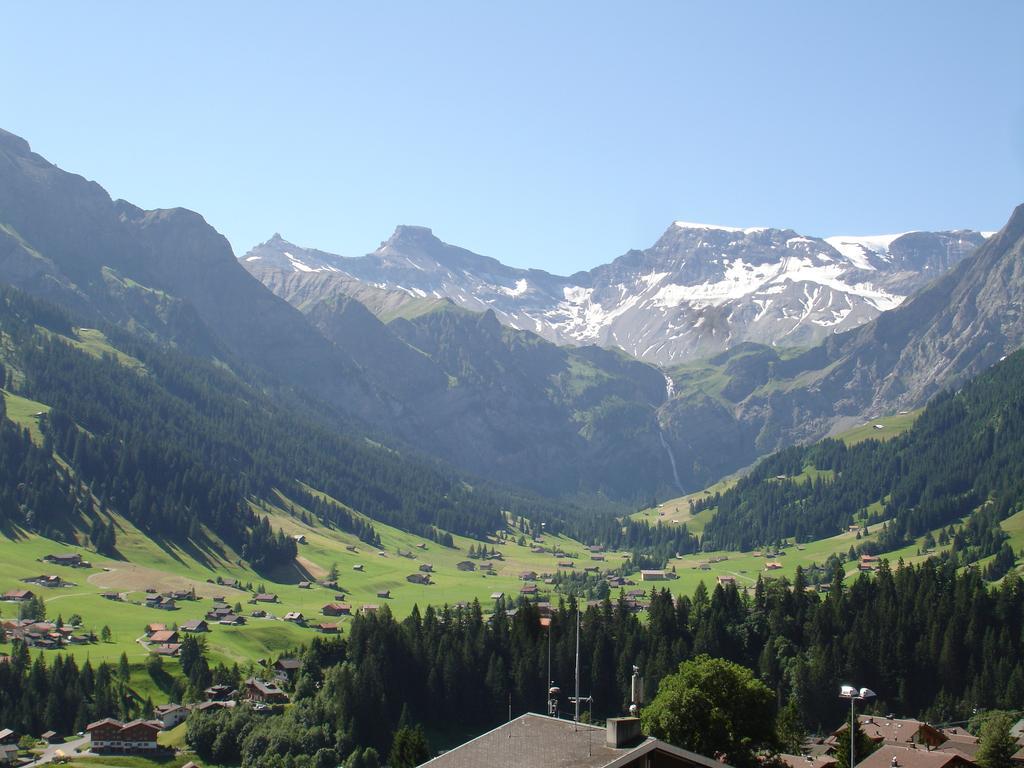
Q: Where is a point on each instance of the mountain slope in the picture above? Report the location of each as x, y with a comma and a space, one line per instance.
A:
957, 326
699, 290
165, 273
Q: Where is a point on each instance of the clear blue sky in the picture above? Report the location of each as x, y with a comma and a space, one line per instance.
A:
547, 134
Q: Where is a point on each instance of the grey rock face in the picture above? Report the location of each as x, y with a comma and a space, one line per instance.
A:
698, 291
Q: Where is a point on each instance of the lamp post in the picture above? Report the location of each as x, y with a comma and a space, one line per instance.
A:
854, 695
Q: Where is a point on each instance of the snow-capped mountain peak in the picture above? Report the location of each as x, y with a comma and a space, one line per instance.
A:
698, 290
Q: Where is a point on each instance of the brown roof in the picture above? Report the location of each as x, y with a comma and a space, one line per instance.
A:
893, 730
538, 741
806, 761
164, 636
891, 756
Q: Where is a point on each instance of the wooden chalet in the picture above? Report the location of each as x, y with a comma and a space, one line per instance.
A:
264, 692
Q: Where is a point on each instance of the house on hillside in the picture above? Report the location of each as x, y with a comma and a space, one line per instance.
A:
111, 736
655, 575
295, 617
336, 609
305, 585
170, 714
195, 626
264, 692
773, 566
328, 628
555, 742
266, 597
285, 670
164, 636
161, 602
232, 620
384, 594
426, 567
7, 736
18, 595
528, 576
151, 628
72, 560
466, 565
418, 578
727, 581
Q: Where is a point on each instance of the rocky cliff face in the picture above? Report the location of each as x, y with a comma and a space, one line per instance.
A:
698, 291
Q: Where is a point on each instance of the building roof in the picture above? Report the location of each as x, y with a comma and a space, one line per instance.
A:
892, 756
806, 761
538, 741
163, 636
894, 730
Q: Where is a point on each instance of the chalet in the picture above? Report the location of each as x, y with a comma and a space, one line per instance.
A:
487, 565
217, 613
549, 580
421, 545
299, 538
305, 585
403, 553
151, 628
219, 692
384, 594
170, 714
286, 669
112, 736
164, 636
195, 625
336, 609
18, 595
590, 569
266, 693
369, 608
7, 736
528, 576
166, 649
161, 602
73, 560
295, 617
357, 567
466, 565
228, 582
497, 595
555, 742
218, 599
773, 566
115, 596
328, 628
50, 737
232, 620
597, 557
418, 578
654, 575
426, 568
264, 598
181, 594
259, 613
351, 547
529, 589
727, 581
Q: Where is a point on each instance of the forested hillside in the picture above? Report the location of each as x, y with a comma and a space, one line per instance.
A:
965, 452
929, 641
178, 445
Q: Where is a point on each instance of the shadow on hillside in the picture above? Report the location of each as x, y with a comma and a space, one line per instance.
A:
287, 573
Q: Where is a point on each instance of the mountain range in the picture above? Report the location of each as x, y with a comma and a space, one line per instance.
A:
699, 290
360, 348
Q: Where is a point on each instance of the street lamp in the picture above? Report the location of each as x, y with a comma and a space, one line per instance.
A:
854, 695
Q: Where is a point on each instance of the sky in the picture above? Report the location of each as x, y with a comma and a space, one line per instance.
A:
554, 135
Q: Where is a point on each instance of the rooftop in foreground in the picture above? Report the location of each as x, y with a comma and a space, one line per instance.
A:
538, 741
